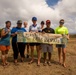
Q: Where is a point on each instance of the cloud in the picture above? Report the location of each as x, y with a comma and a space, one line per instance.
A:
26, 9
67, 11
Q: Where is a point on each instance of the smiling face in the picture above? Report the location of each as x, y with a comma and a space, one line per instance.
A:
34, 22
25, 24
19, 25
61, 22
8, 24
48, 23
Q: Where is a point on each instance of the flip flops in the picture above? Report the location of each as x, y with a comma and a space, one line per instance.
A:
30, 62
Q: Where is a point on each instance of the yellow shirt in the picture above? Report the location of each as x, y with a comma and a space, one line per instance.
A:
61, 30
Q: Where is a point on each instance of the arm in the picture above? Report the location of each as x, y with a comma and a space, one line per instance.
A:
13, 32
43, 31
4, 33
68, 36
67, 33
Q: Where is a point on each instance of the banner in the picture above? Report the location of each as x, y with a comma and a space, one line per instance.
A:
33, 37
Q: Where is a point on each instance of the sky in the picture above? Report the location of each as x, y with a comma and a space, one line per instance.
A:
52, 2
53, 10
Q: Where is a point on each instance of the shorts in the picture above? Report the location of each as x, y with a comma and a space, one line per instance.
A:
4, 48
47, 48
60, 45
27, 43
34, 44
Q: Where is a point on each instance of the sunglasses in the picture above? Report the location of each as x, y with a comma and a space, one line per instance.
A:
61, 22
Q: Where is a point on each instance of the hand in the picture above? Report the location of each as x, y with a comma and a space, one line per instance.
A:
43, 32
50, 44
8, 30
16, 33
31, 31
36, 31
68, 37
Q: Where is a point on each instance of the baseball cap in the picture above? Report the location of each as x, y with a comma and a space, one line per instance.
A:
19, 22
48, 21
34, 18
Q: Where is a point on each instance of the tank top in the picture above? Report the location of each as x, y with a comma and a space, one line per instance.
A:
6, 39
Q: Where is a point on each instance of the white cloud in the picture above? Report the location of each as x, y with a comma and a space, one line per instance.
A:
25, 9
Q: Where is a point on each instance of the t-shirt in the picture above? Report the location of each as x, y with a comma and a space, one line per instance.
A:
61, 30
40, 29
48, 30
34, 28
14, 39
27, 29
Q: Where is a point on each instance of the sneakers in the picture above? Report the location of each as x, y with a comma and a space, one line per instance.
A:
49, 63
45, 63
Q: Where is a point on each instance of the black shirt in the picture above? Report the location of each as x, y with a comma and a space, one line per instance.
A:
48, 30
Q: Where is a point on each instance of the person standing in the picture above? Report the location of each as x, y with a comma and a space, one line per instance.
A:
18, 47
42, 26
47, 47
35, 28
61, 29
5, 42
27, 45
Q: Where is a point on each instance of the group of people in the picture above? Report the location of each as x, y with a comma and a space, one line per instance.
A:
19, 47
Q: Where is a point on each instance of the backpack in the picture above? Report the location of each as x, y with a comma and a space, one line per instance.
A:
1, 31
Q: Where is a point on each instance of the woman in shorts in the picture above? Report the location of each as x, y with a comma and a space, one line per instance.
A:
34, 28
5, 42
61, 29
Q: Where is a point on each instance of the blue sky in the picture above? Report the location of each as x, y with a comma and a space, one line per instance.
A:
52, 2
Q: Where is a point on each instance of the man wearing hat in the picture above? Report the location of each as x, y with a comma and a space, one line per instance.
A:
47, 47
17, 47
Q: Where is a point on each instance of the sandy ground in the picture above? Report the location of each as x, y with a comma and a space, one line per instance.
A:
33, 69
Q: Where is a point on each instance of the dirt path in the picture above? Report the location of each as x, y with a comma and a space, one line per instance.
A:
54, 69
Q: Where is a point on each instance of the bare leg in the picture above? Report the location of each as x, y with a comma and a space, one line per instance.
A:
38, 54
64, 51
32, 54
59, 54
45, 56
3, 58
6, 56
49, 56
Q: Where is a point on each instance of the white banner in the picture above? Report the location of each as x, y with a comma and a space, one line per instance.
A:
33, 37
